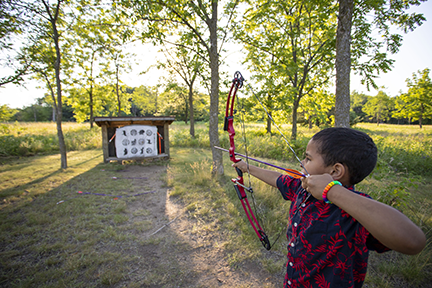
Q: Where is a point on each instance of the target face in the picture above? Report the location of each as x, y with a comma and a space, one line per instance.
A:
136, 141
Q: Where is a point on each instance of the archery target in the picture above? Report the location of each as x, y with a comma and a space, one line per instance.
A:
136, 141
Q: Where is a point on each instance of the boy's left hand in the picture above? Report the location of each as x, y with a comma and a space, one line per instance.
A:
315, 184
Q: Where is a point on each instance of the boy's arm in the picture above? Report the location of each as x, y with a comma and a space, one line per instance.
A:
386, 224
268, 176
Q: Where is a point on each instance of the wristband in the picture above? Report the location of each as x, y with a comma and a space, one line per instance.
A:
327, 188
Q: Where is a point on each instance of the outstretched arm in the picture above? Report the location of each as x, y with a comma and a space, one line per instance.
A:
268, 176
386, 224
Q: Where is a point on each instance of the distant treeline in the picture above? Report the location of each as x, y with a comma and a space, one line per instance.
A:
151, 101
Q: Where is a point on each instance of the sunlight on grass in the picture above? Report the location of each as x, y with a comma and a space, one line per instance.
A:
30, 177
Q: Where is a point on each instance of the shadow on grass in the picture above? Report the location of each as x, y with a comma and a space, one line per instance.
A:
94, 240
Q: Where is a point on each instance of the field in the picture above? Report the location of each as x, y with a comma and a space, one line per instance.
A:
53, 236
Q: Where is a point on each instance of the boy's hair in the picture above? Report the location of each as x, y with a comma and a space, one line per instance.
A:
353, 148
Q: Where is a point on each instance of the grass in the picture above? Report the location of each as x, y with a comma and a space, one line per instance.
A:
88, 243
27, 139
43, 241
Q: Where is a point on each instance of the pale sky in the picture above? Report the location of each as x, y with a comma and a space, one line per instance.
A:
414, 55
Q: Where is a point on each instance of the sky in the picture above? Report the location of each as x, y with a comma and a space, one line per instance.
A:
414, 55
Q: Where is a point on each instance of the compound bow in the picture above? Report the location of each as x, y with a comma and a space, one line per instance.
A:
239, 186
238, 182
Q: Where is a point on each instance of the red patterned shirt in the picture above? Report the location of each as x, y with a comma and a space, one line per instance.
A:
326, 246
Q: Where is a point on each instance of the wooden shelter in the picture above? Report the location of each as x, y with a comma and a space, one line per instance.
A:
110, 125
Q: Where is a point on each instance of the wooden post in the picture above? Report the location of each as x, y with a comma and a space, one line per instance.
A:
166, 139
105, 142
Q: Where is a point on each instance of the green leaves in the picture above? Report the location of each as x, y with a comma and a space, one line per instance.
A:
373, 34
290, 48
417, 103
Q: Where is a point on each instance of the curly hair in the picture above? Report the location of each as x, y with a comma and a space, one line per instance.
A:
352, 148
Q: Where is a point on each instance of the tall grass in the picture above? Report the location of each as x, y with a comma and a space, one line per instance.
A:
25, 139
404, 148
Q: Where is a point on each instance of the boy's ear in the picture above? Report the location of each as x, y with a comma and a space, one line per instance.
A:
339, 172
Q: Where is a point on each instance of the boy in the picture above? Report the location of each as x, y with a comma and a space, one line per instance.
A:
331, 226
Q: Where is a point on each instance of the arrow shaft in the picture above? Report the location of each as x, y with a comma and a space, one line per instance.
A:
256, 160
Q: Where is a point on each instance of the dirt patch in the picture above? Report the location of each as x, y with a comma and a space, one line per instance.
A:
173, 249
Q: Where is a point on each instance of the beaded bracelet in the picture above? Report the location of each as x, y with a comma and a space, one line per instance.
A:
327, 188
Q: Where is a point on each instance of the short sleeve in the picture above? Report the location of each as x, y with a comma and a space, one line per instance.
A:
288, 187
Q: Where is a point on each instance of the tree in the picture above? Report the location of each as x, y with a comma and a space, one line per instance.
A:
103, 104
379, 107
200, 19
51, 13
417, 103
174, 101
14, 20
357, 102
98, 39
316, 108
357, 48
6, 113
187, 65
145, 100
294, 42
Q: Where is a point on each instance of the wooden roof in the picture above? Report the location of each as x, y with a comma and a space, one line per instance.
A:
124, 121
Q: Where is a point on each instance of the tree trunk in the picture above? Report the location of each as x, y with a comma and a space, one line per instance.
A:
294, 119
421, 115
62, 144
269, 124
268, 118
217, 168
186, 110
117, 91
343, 63
191, 111
91, 105
34, 113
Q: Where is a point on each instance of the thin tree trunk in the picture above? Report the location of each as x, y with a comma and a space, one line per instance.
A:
53, 20
343, 63
294, 119
268, 118
34, 113
117, 91
421, 116
91, 105
269, 124
217, 168
191, 111
186, 110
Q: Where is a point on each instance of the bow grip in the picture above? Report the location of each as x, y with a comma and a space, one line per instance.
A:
239, 172
226, 122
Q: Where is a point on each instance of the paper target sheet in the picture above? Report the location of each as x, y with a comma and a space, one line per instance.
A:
136, 141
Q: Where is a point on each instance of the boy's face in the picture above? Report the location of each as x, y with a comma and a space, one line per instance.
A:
314, 162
